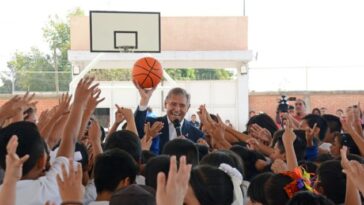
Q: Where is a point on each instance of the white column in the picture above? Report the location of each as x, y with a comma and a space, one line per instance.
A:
242, 98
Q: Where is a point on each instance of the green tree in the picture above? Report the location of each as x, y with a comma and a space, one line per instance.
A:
199, 74
37, 71
30, 71
111, 74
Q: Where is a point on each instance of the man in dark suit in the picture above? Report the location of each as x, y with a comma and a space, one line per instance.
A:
176, 104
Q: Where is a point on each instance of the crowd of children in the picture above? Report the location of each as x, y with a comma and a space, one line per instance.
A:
65, 156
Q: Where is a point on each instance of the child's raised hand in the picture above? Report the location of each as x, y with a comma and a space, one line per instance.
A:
71, 188
14, 164
173, 190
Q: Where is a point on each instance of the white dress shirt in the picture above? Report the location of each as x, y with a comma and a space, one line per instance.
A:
43, 189
172, 130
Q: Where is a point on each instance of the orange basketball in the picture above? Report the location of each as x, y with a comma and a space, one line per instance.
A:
147, 72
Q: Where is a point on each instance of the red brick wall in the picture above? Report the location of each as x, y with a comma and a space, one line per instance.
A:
43, 102
265, 102
337, 101
268, 102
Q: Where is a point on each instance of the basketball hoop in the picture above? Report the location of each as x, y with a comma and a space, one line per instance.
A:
126, 49
111, 31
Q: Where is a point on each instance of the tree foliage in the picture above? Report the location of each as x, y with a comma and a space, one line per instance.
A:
35, 70
176, 74
30, 70
111, 74
199, 74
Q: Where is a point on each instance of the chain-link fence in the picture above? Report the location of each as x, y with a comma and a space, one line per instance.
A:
35, 81
51, 81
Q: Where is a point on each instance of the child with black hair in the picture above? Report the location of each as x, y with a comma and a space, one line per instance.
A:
308, 198
203, 150
309, 166
279, 188
340, 140
38, 184
331, 181
182, 147
333, 126
146, 156
223, 156
256, 191
127, 141
323, 158
253, 161
172, 191
298, 144
289, 147
154, 166
315, 127
214, 186
114, 169
264, 121
217, 158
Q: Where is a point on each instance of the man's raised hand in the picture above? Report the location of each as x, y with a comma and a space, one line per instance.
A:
145, 94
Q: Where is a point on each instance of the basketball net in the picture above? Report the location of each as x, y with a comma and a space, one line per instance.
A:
126, 49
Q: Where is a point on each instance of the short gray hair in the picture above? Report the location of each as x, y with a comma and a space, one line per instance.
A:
179, 91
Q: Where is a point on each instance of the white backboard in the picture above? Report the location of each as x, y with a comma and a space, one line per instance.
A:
120, 31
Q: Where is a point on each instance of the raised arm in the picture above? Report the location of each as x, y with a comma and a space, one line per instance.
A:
256, 145
353, 115
172, 191
238, 135
72, 128
150, 133
295, 123
140, 114
359, 141
352, 195
57, 130
24, 104
13, 173
218, 136
288, 139
61, 109
145, 94
119, 118
9, 109
95, 138
70, 185
128, 114
92, 103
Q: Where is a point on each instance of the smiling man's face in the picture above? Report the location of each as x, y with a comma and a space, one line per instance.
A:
177, 107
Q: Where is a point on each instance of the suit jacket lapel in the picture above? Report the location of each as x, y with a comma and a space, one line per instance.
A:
164, 137
185, 127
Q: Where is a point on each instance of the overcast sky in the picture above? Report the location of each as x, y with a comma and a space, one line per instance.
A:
289, 33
